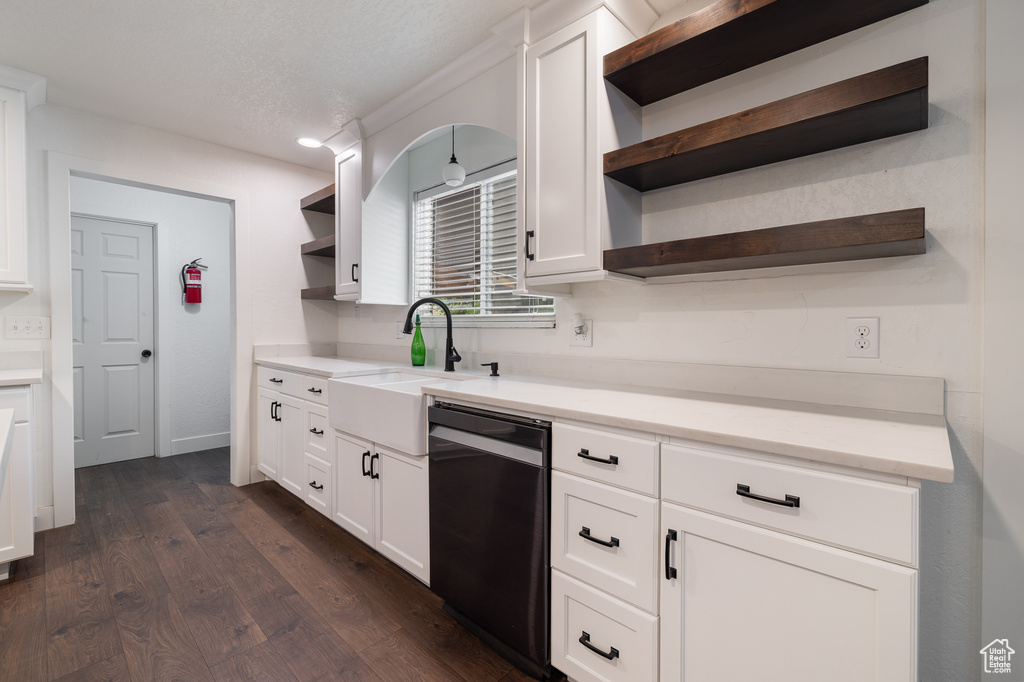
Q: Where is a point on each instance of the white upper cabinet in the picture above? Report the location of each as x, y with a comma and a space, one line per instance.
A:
573, 213
12, 190
348, 217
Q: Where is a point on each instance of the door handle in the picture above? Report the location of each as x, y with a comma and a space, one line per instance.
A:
611, 655
529, 236
791, 500
670, 571
315, 432
373, 474
314, 486
585, 454
366, 472
147, 353
585, 534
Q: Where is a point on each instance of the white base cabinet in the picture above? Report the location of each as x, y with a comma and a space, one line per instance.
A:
382, 497
747, 603
17, 500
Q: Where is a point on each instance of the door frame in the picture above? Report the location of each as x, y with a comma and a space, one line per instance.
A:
161, 373
59, 169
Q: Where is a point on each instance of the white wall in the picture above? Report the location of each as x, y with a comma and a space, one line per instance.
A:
193, 346
929, 305
272, 222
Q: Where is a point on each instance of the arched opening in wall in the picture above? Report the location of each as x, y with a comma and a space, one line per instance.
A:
226, 290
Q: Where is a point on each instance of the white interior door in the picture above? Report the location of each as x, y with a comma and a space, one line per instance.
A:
112, 310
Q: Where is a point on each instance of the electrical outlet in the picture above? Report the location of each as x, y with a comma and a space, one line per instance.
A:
862, 339
586, 338
398, 330
24, 327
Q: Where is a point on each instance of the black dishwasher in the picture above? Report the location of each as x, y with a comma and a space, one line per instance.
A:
490, 476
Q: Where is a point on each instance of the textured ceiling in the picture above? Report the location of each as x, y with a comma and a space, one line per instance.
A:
248, 74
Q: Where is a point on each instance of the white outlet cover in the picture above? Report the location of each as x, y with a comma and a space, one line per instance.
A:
862, 338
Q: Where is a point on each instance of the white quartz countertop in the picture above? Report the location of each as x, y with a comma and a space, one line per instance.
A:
326, 367
905, 444
20, 377
6, 438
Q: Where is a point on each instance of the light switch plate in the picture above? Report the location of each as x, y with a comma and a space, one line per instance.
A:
25, 327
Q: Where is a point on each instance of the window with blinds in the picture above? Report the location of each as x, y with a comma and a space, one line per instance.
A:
464, 253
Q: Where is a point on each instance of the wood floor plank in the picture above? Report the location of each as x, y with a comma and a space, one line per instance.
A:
29, 567
158, 644
343, 606
162, 470
261, 663
401, 658
214, 613
305, 641
218, 459
79, 617
110, 670
138, 488
95, 478
23, 630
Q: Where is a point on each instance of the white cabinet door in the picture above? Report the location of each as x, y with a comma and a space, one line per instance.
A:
17, 504
748, 603
12, 189
348, 216
292, 473
572, 117
353, 486
403, 510
268, 432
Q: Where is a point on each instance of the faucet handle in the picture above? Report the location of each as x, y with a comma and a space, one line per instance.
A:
493, 366
455, 357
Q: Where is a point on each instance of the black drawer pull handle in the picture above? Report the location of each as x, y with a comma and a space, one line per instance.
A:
529, 236
790, 501
277, 381
373, 459
670, 572
353, 272
366, 472
611, 655
314, 486
315, 390
585, 534
316, 433
585, 454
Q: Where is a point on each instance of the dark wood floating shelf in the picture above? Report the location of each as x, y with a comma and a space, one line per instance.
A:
321, 201
320, 293
319, 247
872, 106
879, 235
733, 35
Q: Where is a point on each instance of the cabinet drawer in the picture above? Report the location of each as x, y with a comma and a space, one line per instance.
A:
314, 389
871, 517
586, 518
18, 399
279, 380
317, 489
613, 628
586, 452
316, 430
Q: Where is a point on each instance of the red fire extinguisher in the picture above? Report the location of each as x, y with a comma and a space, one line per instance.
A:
191, 282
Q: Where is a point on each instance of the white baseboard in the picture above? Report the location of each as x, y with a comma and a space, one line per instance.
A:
197, 443
44, 518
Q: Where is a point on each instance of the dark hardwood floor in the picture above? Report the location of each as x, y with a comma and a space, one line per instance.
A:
172, 573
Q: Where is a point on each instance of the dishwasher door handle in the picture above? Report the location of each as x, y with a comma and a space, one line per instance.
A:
585, 534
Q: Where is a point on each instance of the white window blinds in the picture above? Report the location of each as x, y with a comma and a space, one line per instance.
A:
465, 253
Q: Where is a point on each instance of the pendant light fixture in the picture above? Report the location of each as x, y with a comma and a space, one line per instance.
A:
453, 173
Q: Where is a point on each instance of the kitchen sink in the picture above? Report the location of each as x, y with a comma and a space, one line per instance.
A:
386, 408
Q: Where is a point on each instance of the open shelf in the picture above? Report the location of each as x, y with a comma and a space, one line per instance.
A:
872, 106
319, 247
319, 293
321, 201
878, 235
733, 35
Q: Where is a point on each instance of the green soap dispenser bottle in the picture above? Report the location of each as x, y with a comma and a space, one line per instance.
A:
419, 351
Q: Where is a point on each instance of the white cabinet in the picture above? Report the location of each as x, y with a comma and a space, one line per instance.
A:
382, 497
348, 216
604, 549
748, 603
268, 432
17, 502
12, 190
573, 117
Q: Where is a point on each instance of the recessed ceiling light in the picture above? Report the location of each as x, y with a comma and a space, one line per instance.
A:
309, 142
